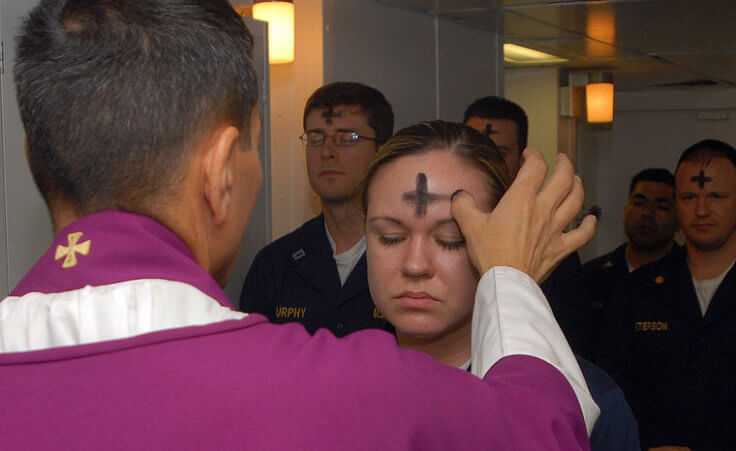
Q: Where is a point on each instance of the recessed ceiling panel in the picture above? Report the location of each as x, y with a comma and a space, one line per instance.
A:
644, 42
445, 5
720, 68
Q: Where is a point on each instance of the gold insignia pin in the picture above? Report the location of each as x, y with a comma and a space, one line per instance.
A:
658, 280
70, 251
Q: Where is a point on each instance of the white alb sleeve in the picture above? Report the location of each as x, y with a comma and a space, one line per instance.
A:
512, 316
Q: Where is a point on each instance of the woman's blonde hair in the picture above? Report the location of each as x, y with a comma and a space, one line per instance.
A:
472, 147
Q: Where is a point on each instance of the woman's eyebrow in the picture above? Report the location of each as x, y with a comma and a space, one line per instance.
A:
444, 222
438, 224
390, 219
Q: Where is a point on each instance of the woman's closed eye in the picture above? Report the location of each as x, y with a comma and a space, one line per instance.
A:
391, 240
451, 243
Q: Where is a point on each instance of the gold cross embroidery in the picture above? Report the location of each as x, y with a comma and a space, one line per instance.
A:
70, 252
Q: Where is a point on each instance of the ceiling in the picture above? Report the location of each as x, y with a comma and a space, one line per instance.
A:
646, 44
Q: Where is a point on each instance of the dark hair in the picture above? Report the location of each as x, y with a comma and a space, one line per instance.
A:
703, 151
493, 107
659, 175
370, 100
474, 148
114, 93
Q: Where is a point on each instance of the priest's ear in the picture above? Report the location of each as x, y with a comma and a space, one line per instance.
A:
219, 170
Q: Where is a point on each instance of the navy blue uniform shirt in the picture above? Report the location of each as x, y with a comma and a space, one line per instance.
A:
616, 428
295, 278
676, 366
602, 276
565, 291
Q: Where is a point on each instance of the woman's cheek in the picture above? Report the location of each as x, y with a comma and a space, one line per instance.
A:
458, 273
382, 267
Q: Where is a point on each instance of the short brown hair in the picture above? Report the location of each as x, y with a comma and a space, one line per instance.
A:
114, 93
370, 100
472, 147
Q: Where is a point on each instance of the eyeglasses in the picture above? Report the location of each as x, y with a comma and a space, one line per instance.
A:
342, 138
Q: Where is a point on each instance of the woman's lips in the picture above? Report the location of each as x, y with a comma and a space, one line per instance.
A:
330, 173
416, 299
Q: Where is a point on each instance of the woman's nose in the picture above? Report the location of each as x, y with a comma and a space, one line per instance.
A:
416, 261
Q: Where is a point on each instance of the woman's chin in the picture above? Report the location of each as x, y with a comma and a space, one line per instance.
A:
419, 331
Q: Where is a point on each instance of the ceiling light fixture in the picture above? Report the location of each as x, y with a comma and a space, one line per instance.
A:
517, 54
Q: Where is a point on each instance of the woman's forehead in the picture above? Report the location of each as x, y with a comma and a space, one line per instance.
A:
423, 180
440, 169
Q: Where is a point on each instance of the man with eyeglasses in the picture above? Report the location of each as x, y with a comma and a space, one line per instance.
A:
316, 275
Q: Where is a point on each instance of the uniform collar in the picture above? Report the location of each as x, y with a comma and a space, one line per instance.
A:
314, 261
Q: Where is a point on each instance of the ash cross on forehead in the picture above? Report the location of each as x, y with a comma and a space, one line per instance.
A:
421, 198
488, 130
329, 113
701, 179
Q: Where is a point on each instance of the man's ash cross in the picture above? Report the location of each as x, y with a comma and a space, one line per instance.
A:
421, 198
329, 113
488, 130
701, 179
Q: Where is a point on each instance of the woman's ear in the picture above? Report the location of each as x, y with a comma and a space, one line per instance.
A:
220, 155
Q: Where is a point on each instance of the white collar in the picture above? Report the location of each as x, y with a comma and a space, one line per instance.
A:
108, 312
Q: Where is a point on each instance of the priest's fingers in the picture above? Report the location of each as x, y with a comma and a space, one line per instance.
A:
523, 232
558, 185
569, 242
512, 234
570, 206
557, 245
564, 245
531, 174
581, 235
471, 222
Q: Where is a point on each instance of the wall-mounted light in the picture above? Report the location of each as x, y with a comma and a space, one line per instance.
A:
280, 18
599, 97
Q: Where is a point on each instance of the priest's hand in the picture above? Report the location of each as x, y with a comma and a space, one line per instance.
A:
526, 229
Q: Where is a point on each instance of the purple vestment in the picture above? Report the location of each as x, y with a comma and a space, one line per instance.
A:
250, 384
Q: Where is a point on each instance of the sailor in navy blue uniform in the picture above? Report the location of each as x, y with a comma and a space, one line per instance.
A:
316, 275
603, 274
507, 124
650, 224
565, 291
670, 336
295, 279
